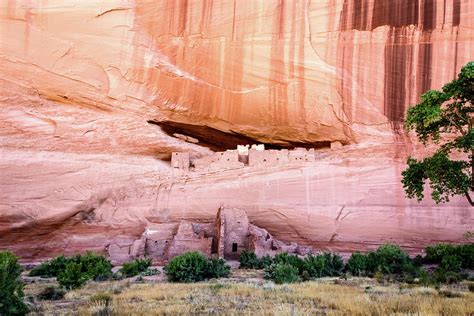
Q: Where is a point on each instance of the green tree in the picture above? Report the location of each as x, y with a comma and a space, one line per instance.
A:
11, 286
445, 118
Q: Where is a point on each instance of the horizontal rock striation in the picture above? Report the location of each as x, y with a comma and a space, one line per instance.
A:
95, 96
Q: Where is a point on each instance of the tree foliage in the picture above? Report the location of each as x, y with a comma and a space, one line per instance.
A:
11, 286
445, 118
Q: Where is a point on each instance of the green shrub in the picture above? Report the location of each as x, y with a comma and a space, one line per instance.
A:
189, 267
95, 266
51, 293
466, 253
357, 264
451, 263
11, 286
292, 260
265, 261
418, 260
435, 253
424, 278
150, 271
249, 260
323, 265
135, 267
194, 267
217, 268
443, 276
451, 260
282, 273
72, 277
389, 259
52, 268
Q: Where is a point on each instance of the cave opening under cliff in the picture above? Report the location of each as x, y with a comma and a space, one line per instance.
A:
217, 140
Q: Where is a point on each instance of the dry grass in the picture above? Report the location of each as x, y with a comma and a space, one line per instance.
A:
253, 296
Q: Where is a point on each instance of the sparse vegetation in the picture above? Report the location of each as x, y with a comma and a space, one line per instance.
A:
356, 296
11, 286
51, 293
358, 264
72, 277
436, 253
323, 265
388, 261
194, 267
217, 268
329, 287
94, 266
282, 273
135, 267
51, 268
73, 272
249, 260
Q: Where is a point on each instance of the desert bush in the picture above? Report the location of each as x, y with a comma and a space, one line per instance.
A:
51, 293
249, 260
357, 264
51, 268
150, 271
11, 286
323, 265
135, 267
292, 260
451, 260
217, 268
418, 260
189, 267
389, 259
451, 263
282, 273
466, 254
436, 253
94, 266
194, 267
265, 261
448, 277
101, 297
73, 276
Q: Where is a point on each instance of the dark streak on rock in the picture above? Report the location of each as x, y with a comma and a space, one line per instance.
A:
456, 12
429, 15
398, 56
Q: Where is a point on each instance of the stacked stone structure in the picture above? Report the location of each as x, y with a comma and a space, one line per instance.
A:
225, 237
254, 156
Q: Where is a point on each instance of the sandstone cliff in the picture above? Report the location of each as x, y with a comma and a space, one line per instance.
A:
81, 81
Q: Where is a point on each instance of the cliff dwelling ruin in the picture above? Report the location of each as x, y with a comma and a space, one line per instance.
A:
243, 156
226, 237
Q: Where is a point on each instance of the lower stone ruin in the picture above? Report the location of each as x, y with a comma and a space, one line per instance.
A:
226, 237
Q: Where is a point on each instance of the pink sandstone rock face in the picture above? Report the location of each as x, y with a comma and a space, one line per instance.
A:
92, 92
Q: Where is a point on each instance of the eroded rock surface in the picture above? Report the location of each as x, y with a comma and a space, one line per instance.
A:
92, 92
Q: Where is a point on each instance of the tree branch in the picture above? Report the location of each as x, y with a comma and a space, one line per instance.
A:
469, 198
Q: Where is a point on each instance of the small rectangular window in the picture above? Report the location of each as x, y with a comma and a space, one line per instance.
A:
234, 247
